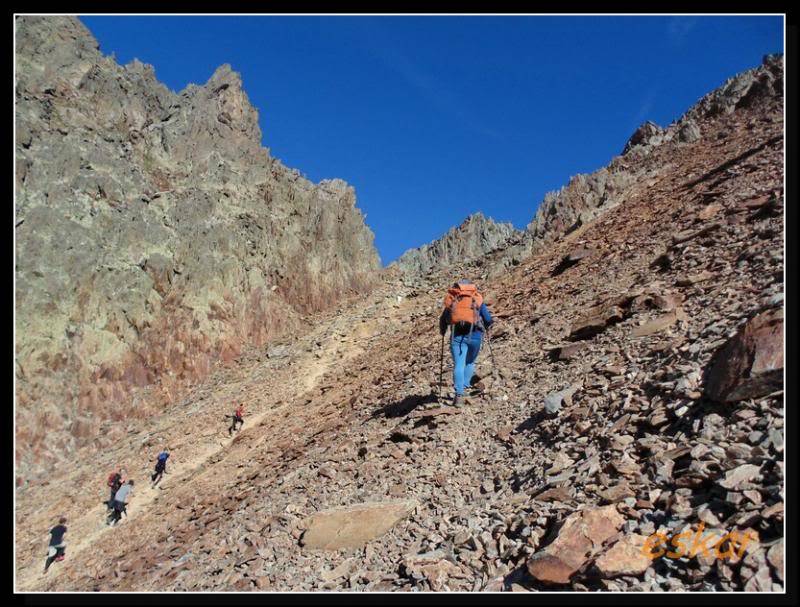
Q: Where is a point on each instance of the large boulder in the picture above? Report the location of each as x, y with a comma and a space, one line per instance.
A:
580, 538
750, 364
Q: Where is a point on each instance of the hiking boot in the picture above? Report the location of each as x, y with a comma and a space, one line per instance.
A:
458, 400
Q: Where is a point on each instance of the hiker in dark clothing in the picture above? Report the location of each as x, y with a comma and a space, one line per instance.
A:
161, 466
238, 418
57, 547
468, 317
120, 503
114, 482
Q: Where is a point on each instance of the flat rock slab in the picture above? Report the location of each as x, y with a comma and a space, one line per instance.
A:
354, 526
616, 493
554, 494
567, 352
659, 324
739, 476
596, 321
438, 571
625, 557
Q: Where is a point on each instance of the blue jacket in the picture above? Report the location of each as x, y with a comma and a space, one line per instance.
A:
486, 317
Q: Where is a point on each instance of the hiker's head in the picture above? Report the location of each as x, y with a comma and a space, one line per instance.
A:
130, 482
462, 282
62, 520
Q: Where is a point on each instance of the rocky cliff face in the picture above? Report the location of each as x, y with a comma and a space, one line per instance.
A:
475, 237
154, 236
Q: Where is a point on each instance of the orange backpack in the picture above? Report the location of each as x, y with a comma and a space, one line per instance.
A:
464, 303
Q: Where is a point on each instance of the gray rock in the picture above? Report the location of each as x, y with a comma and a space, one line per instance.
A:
648, 133
474, 238
688, 131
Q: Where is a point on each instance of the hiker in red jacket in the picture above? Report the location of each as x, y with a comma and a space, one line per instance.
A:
238, 418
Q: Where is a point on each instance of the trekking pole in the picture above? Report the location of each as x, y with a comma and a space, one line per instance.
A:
491, 351
441, 369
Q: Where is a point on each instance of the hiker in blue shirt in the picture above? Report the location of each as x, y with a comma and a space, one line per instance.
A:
468, 317
161, 466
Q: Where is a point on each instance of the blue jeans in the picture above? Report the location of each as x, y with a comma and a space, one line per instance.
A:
464, 350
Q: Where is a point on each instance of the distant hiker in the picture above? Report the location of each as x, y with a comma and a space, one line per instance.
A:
468, 317
114, 482
238, 418
120, 502
161, 466
57, 547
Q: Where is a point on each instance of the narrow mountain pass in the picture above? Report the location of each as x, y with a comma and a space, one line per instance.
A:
170, 268
593, 408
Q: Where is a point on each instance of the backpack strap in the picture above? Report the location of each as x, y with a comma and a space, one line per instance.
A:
472, 324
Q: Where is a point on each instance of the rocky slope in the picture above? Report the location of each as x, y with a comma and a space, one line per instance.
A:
631, 391
154, 237
587, 197
474, 238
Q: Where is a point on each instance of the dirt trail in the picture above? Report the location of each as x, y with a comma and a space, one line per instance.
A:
298, 373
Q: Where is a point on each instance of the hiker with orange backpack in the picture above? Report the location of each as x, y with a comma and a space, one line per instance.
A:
468, 317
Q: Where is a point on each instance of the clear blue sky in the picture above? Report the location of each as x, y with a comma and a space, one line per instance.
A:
434, 118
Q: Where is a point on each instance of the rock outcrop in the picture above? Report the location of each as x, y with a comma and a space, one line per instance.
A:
476, 237
649, 134
587, 197
750, 364
154, 236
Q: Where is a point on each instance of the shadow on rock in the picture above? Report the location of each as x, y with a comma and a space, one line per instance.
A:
405, 406
536, 424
